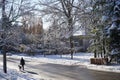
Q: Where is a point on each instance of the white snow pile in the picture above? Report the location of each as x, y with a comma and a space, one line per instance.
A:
79, 59
15, 75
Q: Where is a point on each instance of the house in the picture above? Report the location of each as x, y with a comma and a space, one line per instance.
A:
81, 42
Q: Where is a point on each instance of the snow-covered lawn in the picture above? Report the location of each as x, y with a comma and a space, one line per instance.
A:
13, 74
79, 59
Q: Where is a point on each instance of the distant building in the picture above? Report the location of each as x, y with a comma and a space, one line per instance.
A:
32, 25
81, 40
80, 43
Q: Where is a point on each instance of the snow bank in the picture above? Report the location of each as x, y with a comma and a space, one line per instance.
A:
15, 75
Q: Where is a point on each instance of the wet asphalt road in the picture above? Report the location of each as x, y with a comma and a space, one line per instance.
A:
62, 72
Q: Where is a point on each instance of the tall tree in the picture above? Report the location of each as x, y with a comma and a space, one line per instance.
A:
11, 11
99, 18
65, 13
113, 30
105, 26
4, 47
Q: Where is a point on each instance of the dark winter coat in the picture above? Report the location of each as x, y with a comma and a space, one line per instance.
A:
22, 61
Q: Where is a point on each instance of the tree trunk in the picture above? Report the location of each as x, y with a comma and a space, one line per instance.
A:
4, 26
95, 51
71, 46
95, 54
104, 52
4, 60
70, 23
101, 55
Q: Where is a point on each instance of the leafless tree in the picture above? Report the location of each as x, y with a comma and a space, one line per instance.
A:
11, 11
67, 14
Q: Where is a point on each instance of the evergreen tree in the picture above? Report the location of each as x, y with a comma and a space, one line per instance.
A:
107, 20
113, 31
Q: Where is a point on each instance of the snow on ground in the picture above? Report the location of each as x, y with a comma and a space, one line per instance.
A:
79, 59
13, 74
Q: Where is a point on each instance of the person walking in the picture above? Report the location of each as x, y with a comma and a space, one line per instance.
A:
22, 63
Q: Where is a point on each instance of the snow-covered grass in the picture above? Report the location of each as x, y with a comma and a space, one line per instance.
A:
79, 59
13, 74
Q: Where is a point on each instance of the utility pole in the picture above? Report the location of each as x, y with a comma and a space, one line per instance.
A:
4, 36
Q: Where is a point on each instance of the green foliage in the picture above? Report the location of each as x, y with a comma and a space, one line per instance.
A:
100, 43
